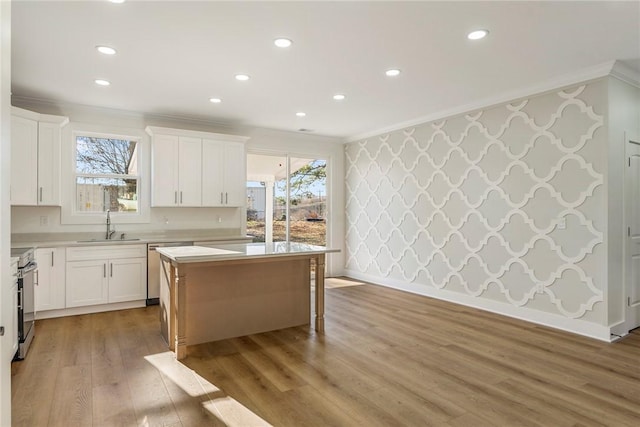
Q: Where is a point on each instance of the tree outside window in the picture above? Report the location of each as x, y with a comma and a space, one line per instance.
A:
107, 176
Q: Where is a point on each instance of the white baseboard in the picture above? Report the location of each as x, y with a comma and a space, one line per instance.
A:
576, 326
74, 311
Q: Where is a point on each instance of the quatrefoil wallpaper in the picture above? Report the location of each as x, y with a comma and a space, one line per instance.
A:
506, 203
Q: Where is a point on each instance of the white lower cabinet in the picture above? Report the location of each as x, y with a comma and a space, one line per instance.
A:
50, 287
127, 279
105, 274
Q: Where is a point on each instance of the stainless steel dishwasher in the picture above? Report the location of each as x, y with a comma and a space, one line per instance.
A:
153, 269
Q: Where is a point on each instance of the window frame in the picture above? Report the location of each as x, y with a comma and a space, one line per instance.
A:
70, 213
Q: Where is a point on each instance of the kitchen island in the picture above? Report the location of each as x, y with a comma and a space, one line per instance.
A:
214, 293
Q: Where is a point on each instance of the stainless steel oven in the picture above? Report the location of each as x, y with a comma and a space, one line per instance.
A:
27, 279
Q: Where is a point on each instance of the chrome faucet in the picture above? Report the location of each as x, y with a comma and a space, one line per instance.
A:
110, 232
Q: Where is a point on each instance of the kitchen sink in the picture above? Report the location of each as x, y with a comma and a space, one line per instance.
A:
106, 240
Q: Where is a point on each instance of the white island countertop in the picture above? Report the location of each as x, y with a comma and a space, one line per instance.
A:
189, 254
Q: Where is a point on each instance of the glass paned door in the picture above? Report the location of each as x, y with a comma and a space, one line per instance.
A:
286, 199
308, 201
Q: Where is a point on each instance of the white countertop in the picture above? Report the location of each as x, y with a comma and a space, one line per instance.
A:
189, 254
86, 239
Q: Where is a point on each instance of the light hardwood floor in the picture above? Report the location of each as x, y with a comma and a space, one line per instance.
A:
387, 358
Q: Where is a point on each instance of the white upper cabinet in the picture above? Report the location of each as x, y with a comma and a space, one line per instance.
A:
190, 171
164, 171
191, 168
35, 158
24, 161
223, 173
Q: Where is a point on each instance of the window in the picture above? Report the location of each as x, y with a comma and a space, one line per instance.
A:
107, 174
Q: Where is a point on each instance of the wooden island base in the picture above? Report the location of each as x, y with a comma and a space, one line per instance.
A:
210, 301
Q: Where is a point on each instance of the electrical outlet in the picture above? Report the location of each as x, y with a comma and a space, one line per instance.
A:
44, 221
562, 223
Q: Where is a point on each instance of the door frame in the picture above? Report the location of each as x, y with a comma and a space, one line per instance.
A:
631, 318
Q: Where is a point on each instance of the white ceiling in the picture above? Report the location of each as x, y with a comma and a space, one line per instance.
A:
175, 55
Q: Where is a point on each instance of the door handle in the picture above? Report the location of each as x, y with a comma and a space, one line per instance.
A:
104, 270
181, 197
110, 269
40, 193
175, 197
52, 255
226, 198
1, 331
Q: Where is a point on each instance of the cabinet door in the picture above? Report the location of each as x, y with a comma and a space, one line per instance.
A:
164, 171
48, 164
235, 175
190, 171
212, 173
86, 283
50, 288
127, 279
24, 161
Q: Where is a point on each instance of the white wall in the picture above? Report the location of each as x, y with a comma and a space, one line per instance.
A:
502, 208
5, 174
28, 219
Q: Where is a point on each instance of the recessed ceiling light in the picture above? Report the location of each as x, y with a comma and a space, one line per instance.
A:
102, 82
116, 1
477, 34
106, 50
393, 72
339, 97
301, 114
282, 42
242, 77
215, 100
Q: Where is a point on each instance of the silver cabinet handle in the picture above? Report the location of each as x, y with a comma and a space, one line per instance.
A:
111, 269
40, 193
104, 270
175, 197
20, 299
52, 255
226, 198
181, 197
37, 278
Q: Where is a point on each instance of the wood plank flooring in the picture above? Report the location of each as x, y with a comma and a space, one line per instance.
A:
388, 358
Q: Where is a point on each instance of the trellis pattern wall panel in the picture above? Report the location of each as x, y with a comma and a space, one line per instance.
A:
506, 203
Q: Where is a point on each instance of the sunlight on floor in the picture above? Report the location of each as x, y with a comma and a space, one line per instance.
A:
215, 401
335, 282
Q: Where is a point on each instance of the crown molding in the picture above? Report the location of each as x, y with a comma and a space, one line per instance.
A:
583, 75
625, 73
34, 102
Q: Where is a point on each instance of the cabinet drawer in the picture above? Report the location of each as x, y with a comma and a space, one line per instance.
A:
86, 253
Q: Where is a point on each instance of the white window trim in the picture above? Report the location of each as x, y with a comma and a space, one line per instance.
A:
69, 214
